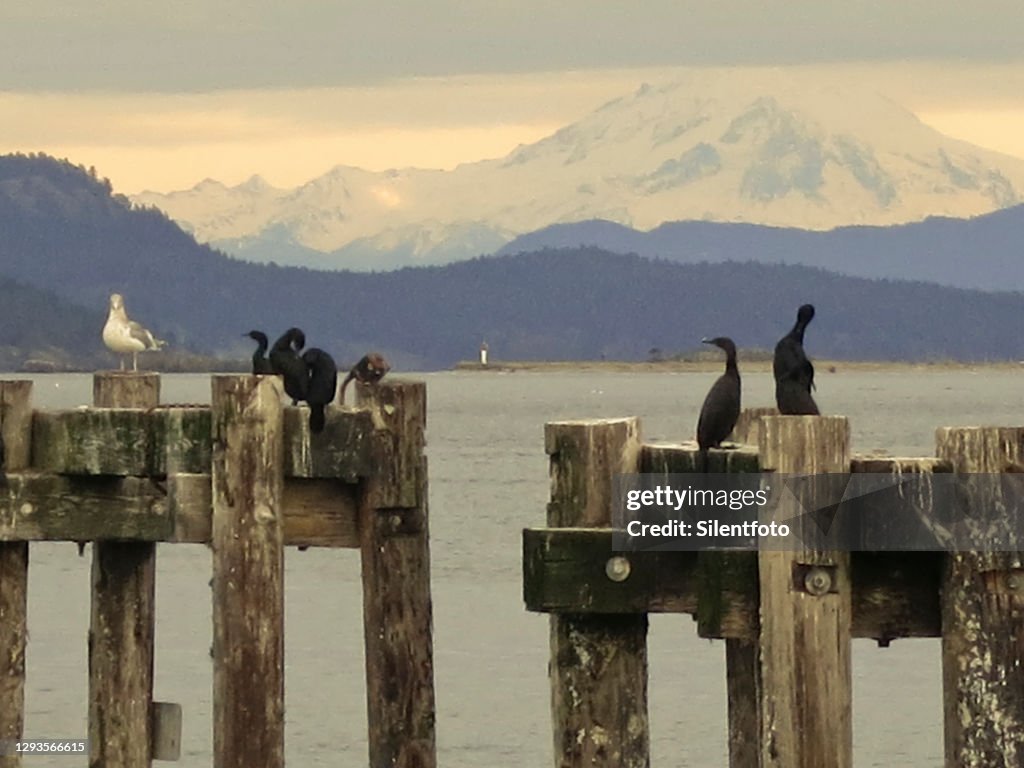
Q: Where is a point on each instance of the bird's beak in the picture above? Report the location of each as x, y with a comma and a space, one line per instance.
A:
705, 340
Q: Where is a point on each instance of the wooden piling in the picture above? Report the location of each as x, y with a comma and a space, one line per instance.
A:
397, 609
248, 572
598, 663
982, 605
748, 425
805, 684
121, 632
16, 428
723, 579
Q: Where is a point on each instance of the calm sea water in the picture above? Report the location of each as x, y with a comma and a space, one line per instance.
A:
488, 480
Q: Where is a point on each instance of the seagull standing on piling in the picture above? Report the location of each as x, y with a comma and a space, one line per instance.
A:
122, 335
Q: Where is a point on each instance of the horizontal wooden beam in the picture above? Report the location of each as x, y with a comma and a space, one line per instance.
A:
568, 570
162, 441
49, 507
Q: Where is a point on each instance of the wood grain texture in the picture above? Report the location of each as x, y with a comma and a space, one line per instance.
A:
121, 629
982, 623
805, 681
397, 606
248, 572
598, 663
159, 441
16, 428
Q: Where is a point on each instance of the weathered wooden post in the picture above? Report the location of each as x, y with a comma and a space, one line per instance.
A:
121, 632
804, 687
983, 610
748, 425
598, 663
397, 609
723, 577
248, 572
16, 428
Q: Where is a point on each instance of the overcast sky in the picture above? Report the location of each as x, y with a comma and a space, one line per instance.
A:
163, 94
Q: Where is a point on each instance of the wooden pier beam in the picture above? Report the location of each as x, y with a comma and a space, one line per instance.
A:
598, 662
804, 688
121, 631
397, 608
16, 428
982, 604
248, 572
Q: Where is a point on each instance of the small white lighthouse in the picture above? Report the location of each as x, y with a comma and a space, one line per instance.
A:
483, 353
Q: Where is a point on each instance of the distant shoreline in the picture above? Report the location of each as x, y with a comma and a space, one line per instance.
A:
706, 366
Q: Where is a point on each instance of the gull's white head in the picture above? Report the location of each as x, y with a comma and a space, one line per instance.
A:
116, 301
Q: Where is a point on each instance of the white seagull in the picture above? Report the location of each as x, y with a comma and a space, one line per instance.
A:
123, 335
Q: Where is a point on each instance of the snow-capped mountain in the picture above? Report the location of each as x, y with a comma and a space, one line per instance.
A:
768, 150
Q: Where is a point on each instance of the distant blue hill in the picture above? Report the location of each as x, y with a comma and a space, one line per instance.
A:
64, 232
986, 252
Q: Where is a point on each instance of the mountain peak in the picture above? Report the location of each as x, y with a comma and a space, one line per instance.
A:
766, 148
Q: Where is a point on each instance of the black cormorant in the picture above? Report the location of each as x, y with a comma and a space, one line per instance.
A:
260, 364
285, 360
369, 370
794, 374
722, 405
323, 382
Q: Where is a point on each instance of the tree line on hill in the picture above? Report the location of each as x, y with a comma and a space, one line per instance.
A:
68, 242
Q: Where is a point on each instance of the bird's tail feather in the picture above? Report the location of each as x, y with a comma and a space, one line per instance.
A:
317, 418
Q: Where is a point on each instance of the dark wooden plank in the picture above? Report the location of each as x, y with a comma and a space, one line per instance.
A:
566, 570
598, 663
121, 629
343, 451
16, 428
983, 606
397, 607
894, 594
248, 572
61, 508
46, 507
316, 512
166, 440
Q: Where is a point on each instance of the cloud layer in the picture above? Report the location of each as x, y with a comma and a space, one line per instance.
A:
199, 44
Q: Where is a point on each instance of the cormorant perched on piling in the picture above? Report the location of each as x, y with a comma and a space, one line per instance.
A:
323, 382
721, 407
260, 364
794, 374
285, 360
369, 370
